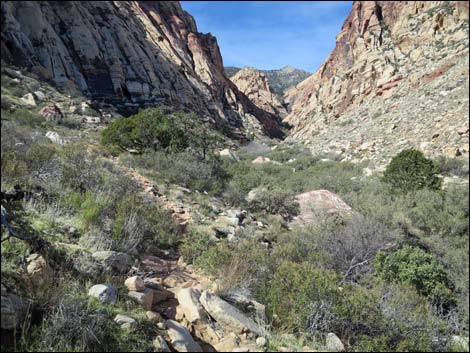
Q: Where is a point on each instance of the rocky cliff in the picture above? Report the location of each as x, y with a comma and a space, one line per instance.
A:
398, 68
280, 80
128, 54
254, 84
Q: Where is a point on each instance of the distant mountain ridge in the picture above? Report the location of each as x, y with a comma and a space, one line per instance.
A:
280, 80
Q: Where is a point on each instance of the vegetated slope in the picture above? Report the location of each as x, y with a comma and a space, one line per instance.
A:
129, 54
398, 77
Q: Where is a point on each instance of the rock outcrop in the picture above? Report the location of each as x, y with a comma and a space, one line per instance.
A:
129, 54
254, 84
280, 80
398, 67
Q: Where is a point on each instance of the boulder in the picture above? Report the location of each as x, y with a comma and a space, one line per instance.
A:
161, 295
113, 261
40, 95
160, 345
227, 344
38, 270
460, 342
144, 298
54, 137
153, 316
180, 338
28, 99
126, 322
105, 293
452, 152
229, 154
333, 343
51, 112
261, 342
227, 315
188, 299
260, 160
13, 310
135, 283
253, 194
315, 204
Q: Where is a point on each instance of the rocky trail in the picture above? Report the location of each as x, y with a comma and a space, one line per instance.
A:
181, 214
188, 315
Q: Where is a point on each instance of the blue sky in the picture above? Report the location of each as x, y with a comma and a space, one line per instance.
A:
271, 34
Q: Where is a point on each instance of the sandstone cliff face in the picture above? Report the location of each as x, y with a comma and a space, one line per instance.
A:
254, 84
280, 80
128, 54
388, 54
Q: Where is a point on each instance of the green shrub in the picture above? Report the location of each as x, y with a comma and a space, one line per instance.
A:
410, 170
186, 169
80, 169
413, 266
294, 290
160, 128
275, 202
216, 257
452, 166
23, 116
75, 325
194, 245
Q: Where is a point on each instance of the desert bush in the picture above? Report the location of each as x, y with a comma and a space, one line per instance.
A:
294, 289
23, 116
194, 245
160, 128
275, 202
445, 213
452, 166
352, 247
80, 169
413, 266
410, 170
185, 169
75, 325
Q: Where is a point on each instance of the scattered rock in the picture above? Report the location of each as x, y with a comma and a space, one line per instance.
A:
451, 152
105, 293
180, 338
135, 283
153, 316
463, 130
113, 261
38, 270
188, 299
13, 310
253, 194
54, 137
227, 344
126, 322
28, 99
144, 298
260, 160
51, 112
227, 315
40, 95
160, 345
261, 341
333, 343
460, 342
229, 154
161, 295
